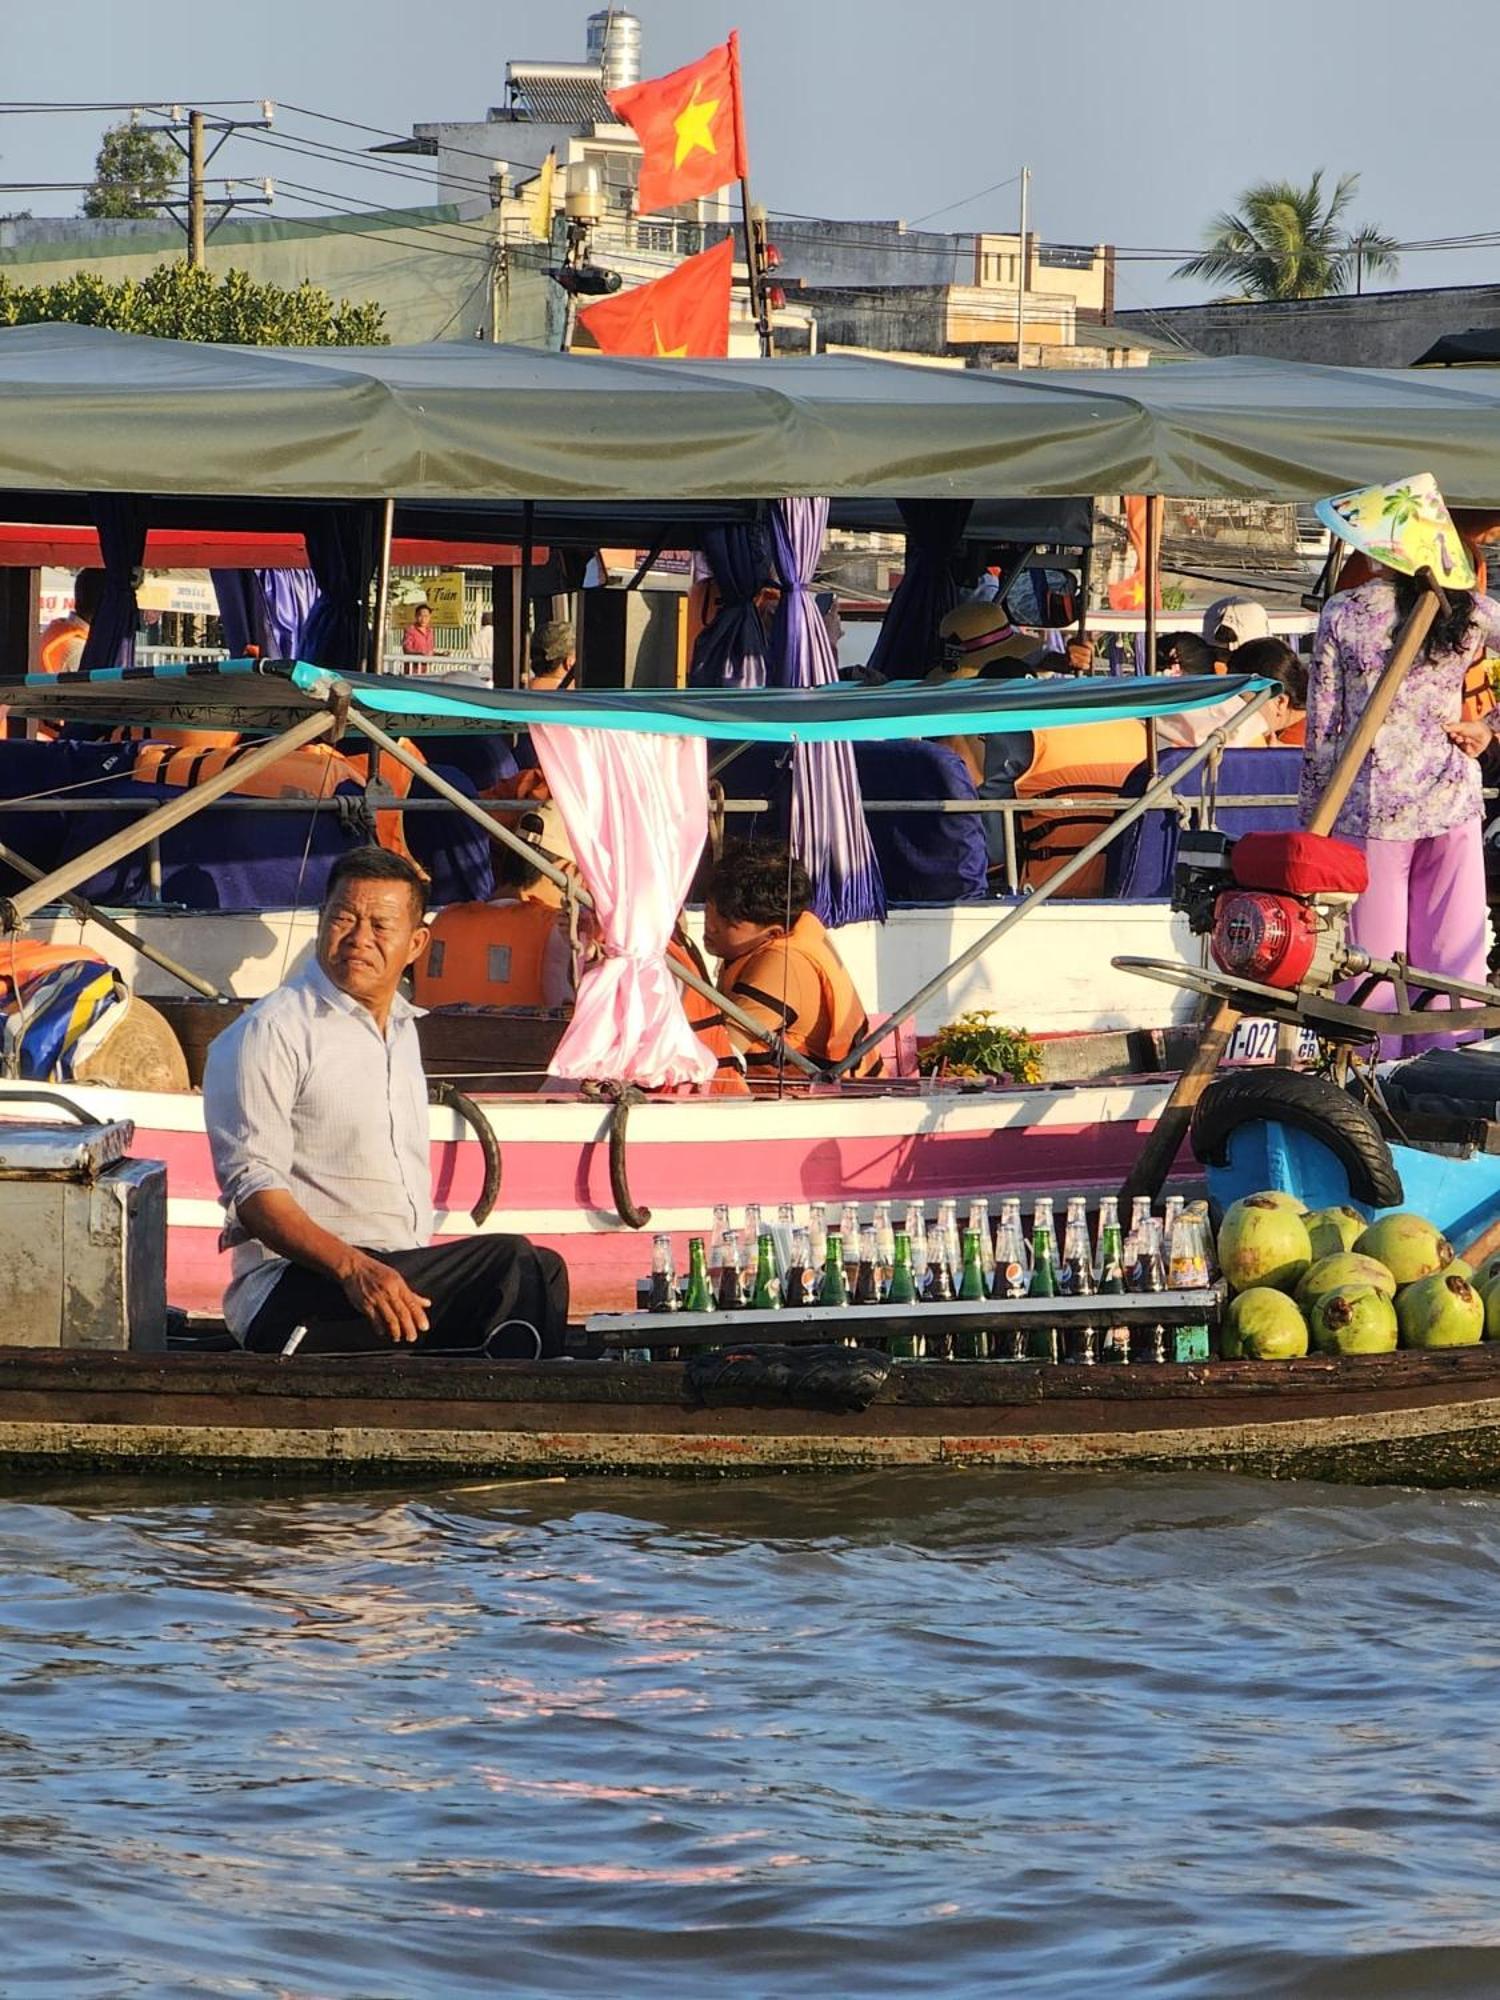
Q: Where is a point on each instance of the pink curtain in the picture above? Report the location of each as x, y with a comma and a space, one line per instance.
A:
635, 808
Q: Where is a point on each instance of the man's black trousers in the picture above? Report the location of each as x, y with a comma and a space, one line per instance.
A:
499, 1295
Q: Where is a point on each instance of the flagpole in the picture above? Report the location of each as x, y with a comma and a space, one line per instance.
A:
753, 264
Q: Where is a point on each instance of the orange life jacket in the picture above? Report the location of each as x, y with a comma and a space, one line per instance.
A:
188, 756
1093, 760
486, 955
1479, 692
839, 1019
59, 639
707, 1023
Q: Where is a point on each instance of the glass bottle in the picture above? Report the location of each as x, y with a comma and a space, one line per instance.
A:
817, 1235
785, 1230
663, 1298
1042, 1341
885, 1245
1112, 1262
949, 1245
1109, 1218
867, 1270
766, 1297
699, 1297
732, 1275
1187, 1266
971, 1283
1171, 1209
797, 1286
849, 1237
834, 1290
979, 1222
903, 1291
1075, 1271
1042, 1219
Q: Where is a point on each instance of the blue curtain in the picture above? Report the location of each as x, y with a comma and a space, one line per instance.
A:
907, 644
730, 651
341, 550
829, 833
121, 521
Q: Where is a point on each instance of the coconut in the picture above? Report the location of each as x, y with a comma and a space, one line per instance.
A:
1331, 1230
1346, 1268
1263, 1241
1441, 1311
1354, 1319
1263, 1325
1407, 1245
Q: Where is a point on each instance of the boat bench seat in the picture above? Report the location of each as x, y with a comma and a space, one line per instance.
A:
1143, 858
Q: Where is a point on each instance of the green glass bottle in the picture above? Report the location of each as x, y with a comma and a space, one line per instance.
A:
1112, 1262
834, 1290
903, 1291
1042, 1341
766, 1296
971, 1284
699, 1297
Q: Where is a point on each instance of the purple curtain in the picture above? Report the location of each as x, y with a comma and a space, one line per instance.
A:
341, 552
829, 834
266, 608
121, 521
907, 644
730, 651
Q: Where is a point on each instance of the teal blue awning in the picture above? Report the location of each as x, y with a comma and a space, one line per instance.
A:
272, 695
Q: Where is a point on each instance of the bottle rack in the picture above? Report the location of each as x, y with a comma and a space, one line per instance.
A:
805, 1324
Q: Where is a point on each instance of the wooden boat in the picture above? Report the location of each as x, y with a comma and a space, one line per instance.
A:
1414, 1418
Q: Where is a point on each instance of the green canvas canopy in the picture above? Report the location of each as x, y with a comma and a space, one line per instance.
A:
83, 409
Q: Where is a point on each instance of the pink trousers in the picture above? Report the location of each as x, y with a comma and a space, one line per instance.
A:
1427, 899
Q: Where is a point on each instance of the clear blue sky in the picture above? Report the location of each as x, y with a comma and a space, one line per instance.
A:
1138, 121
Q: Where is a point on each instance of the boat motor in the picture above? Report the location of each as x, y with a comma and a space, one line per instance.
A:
1283, 919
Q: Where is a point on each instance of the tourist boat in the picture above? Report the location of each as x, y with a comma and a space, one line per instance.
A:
584, 1174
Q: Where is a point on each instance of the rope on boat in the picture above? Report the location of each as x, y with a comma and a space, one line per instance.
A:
441, 1091
624, 1095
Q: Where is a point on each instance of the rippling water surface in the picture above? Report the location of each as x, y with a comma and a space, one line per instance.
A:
1180, 1737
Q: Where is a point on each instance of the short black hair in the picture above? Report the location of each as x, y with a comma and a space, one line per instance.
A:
1198, 656
1273, 660
377, 864
88, 589
759, 882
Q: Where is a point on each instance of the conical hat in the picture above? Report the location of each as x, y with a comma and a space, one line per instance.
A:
1406, 526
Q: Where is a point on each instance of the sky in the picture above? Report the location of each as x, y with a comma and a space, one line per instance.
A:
1138, 122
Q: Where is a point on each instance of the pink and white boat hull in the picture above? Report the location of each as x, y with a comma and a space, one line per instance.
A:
683, 1156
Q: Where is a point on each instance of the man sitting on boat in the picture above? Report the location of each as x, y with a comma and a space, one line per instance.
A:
779, 962
316, 1108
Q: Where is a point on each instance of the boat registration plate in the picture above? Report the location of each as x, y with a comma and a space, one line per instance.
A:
1254, 1041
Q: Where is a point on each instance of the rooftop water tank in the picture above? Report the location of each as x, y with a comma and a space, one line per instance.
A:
615, 45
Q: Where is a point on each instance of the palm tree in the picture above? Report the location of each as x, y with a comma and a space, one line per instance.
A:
1290, 242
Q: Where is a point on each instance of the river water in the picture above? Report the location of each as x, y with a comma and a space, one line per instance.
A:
969, 1735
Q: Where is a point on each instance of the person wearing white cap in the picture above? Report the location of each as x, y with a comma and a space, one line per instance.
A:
1234, 621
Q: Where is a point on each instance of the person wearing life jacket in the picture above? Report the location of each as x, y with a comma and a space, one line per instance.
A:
512, 951
779, 963
59, 646
706, 1021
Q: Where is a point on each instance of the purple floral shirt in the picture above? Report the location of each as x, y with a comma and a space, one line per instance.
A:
1414, 783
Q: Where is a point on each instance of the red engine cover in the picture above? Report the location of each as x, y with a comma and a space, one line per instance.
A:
1271, 939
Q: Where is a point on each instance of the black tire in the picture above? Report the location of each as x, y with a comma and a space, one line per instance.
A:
1314, 1106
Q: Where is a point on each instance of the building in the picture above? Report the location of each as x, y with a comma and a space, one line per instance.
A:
1358, 330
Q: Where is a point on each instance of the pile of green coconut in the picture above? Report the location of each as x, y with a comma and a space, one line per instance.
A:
1338, 1284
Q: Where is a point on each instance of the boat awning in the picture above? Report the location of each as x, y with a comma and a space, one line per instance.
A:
84, 409
272, 695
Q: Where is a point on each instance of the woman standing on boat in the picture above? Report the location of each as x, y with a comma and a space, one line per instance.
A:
1416, 806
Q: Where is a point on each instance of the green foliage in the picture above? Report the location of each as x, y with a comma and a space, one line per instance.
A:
175, 302
975, 1045
133, 175
1290, 242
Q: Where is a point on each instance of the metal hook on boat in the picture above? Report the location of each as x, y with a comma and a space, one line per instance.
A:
624, 1095
441, 1091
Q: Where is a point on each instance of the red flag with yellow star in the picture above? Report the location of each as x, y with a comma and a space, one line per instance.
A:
691, 129
684, 316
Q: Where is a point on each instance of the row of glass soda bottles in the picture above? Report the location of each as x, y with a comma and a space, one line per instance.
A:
835, 1258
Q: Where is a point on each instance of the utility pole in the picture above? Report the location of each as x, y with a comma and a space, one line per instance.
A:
193, 213
197, 241
1021, 276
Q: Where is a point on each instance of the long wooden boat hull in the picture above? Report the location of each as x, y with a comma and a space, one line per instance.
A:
1412, 1418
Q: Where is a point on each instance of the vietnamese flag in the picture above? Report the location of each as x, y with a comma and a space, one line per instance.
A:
691, 129
684, 316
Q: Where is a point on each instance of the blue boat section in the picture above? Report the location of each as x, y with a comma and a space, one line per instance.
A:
1460, 1195
842, 712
